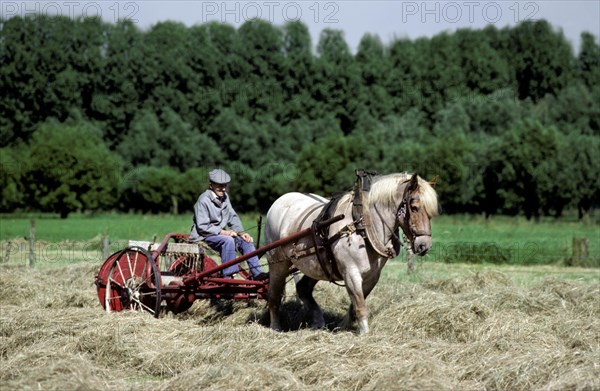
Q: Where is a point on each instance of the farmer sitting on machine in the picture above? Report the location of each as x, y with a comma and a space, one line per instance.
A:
218, 225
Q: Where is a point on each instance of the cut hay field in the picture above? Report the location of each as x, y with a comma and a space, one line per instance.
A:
447, 327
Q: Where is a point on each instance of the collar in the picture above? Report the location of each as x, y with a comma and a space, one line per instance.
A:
219, 201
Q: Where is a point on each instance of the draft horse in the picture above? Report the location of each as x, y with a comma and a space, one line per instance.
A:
396, 200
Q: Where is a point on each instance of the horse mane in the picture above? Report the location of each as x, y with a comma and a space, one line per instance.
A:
384, 189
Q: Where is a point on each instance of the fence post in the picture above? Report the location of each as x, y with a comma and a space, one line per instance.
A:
410, 263
105, 246
5, 258
32, 243
174, 205
580, 252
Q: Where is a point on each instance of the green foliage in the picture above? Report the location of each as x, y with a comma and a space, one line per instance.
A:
506, 119
233, 134
122, 85
409, 62
582, 170
493, 114
190, 185
152, 189
454, 165
168, 141
13, 166
374, 71
325, 166
297, 79
71, 169
526, 161
589, 60
337, 79
484, 68
574, 109
543, 60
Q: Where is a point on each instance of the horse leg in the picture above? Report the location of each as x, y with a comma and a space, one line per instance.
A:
357, 300
278, 272
349, 318
305, 287
352, 314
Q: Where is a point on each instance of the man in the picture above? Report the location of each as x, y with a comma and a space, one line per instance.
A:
217, 224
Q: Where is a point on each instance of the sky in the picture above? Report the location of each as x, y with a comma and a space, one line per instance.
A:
387, 19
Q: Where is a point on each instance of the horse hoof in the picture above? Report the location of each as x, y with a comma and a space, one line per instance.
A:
363, 327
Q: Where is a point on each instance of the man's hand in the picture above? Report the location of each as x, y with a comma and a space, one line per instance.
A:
246, 236
226, 232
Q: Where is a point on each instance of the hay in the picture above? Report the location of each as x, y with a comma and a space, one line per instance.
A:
479, 332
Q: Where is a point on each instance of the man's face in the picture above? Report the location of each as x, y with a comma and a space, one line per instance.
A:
218, 188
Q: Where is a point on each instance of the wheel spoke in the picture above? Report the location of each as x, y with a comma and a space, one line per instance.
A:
144, 306
129, 264
142, 282
121, 271
147, 293
135, 260
107, 292
107, 302
147, 280
147, 271
113, 280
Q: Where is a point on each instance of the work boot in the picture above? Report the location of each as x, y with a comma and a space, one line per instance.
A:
261, 276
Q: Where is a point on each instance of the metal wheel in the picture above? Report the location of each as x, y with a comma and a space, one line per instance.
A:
132, 282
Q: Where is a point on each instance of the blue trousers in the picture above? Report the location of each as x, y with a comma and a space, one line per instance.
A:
226, 246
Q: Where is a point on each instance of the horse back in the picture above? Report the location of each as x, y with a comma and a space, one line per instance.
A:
292, 212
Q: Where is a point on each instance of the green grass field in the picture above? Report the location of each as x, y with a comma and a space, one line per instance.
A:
505, 240
457, 239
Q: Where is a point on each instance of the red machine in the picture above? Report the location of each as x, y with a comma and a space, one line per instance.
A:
143, 275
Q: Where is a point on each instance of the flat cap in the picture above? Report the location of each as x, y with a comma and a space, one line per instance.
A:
219, 176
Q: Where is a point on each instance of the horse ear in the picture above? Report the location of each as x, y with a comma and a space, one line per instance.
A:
433, 181
414, 183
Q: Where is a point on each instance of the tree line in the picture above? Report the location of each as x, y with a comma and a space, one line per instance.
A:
103, 116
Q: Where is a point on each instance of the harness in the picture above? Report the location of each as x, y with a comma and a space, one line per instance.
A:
362, 217
361, 189
361, 224
322, 242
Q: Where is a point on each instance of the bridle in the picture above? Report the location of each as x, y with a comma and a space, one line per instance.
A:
403, 219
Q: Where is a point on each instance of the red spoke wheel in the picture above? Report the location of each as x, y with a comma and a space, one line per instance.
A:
130, 280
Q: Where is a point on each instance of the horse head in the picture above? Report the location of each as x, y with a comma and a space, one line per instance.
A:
418, 206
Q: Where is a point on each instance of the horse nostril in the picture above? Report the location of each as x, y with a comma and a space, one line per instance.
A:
422, 249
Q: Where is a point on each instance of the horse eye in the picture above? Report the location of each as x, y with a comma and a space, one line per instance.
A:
414, 204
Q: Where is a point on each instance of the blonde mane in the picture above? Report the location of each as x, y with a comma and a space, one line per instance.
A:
385, 190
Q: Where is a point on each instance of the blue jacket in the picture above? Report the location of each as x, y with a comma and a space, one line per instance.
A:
211, 215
